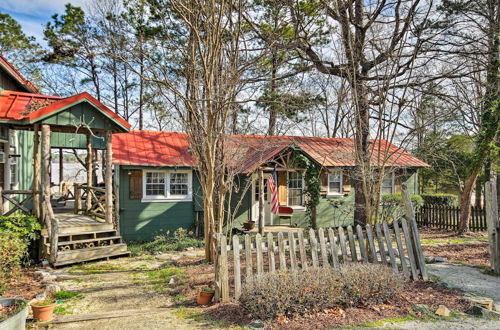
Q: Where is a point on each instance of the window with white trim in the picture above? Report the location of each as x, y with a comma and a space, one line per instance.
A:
388, 184
335, 183
167, 185
295, 189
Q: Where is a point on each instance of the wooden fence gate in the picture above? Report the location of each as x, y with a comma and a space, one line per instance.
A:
396, 244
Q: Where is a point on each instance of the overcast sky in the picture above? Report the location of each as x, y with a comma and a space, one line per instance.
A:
33, 14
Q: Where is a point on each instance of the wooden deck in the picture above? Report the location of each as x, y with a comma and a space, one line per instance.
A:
73, 223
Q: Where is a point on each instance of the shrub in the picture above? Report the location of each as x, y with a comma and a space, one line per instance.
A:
393, 206
26, 227
180, 241
307, 291
440, 199
12, 251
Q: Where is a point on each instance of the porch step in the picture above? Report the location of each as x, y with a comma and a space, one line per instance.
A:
88, 254
77, 247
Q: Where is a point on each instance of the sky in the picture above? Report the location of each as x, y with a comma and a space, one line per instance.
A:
33, 14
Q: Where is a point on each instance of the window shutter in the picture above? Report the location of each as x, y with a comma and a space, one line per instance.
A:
135, 184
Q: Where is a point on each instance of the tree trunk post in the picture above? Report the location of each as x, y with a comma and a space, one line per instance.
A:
88, 201
493, 223
108, 180
414, 235
36, 171
45, 172
61, 167
261, 202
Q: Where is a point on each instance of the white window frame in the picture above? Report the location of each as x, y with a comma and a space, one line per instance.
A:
295, 207
336, 193
168, 197
392, 184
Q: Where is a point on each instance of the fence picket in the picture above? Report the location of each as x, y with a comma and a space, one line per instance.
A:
322, 245
343, 246
409, 249
223, 269
293, 255
248, 256
401, 251
281, 251
362, 243
371, 243
314, 248
380, 240
237, 270
302, 251
352, 244
447, 217
260, 261
333, 248
390, 249
270, 252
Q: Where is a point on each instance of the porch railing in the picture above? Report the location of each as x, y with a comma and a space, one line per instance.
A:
96, 206
20, 204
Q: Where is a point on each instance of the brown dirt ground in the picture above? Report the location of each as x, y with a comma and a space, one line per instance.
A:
27, 285
433, 233
474, 254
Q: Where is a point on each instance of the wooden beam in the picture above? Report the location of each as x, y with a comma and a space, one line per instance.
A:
36, 171
61, 166
6, 172
116, 190
45, 171
108, 179
88, 202
261, 202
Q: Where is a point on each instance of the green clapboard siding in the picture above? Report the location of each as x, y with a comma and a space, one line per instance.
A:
143, 221
75, 141
79, 112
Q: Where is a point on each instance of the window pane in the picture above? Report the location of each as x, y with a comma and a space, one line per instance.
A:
178, 183
334, 182
387, 184
155, 183
294, 180
295, 197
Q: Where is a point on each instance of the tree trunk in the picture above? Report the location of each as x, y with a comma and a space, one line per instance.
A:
465, 202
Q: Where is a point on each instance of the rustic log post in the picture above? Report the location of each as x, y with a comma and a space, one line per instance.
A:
61, 167
6, 172
415, 237
45, 171
88, 201
493, 223
108, 180
261, 202
116, 189
36, 172
2, 212
78, 198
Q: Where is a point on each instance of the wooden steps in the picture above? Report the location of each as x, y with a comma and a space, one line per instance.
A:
79, 246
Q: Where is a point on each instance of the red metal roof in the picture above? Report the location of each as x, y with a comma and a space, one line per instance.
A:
30, 107
150, 148
17, 75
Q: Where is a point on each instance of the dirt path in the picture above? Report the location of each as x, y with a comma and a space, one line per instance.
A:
468, 279
137, 287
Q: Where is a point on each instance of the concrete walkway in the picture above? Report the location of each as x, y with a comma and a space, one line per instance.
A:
468, 279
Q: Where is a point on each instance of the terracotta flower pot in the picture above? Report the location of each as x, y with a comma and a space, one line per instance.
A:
205, 297
249, 225
43, 313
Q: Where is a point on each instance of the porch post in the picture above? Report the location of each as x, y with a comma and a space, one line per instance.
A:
46, 173
6, 172
261, 202
61, 167
108, 180
36, 171
88, 201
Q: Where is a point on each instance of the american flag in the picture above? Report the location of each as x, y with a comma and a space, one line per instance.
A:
275, 204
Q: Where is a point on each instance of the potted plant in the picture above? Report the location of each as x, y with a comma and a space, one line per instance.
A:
205, 296
43, 310
13, 314
249, 225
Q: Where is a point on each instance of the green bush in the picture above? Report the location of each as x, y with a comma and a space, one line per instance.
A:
27, 228
440, 199
392, 206
308, 291
180, 241
12, 251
